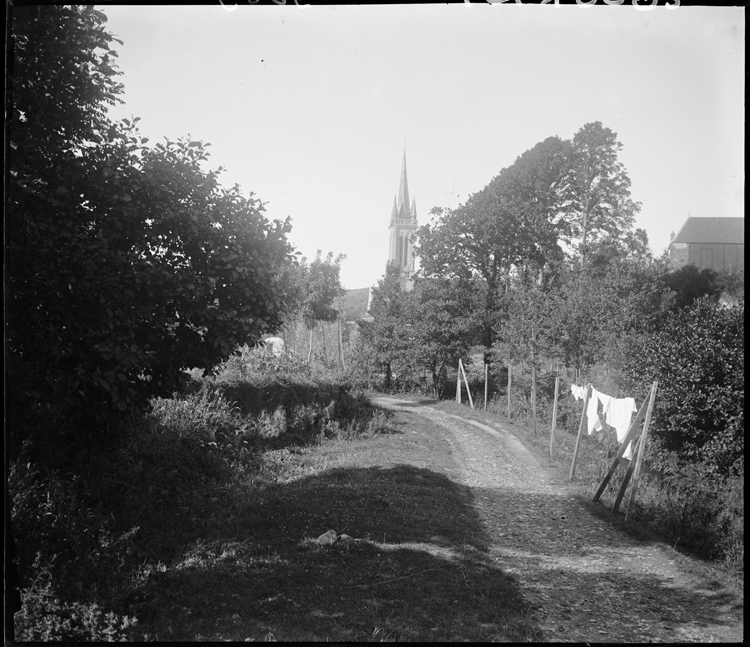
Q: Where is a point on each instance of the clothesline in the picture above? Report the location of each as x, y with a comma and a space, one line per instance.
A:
617, 412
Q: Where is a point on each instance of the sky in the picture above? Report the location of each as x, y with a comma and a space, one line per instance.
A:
311, 108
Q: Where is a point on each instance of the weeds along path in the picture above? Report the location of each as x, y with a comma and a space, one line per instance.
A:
585, 580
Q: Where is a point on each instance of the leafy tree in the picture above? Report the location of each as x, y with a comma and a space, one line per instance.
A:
690, 283
321, 288
126, 263
440, 325
698, 357
512, 223
384, 335
595, 191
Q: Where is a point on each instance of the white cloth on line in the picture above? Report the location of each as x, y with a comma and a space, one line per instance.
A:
618, 414
577, 391
592, 417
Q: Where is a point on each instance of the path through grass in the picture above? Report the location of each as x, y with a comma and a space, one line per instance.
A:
419, 571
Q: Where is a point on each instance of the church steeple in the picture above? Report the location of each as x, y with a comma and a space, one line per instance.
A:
402, 227
403, 191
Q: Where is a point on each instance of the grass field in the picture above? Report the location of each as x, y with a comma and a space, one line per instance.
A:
416, 570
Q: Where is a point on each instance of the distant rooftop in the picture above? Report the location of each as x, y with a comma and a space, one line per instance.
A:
711, 230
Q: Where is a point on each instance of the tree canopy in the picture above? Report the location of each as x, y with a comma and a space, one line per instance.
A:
127, 263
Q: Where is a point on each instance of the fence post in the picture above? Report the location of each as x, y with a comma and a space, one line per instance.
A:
486, 375
586, 396
466, 382
554, 416
510, 377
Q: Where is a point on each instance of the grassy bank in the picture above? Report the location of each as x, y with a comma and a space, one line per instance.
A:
201, 523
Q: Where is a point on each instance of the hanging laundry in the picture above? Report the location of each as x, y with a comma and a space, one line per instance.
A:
577, 391
618, 414
592, 417
605, 400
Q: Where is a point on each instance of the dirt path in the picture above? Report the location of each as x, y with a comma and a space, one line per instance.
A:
585, 580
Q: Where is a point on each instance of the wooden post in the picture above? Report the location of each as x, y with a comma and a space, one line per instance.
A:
626, 478
642, 451
533, 396
466, 382
486, 376
586, 396
628, 437
554, 416
458, 382
341, 346
533, 382
510, 378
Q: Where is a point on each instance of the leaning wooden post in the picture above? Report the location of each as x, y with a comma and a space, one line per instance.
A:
466, 382
626, 478
642, 451
586, 396
623, 446
510, 378
458, 382
486, 376
554, 416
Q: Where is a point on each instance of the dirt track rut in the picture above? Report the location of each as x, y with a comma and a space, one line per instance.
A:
585, 580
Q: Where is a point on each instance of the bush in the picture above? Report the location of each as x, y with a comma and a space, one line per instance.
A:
43, 616
698, 358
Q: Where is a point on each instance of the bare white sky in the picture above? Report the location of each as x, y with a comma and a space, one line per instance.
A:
310, 107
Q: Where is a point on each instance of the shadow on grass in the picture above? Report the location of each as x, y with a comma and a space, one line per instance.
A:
419, 568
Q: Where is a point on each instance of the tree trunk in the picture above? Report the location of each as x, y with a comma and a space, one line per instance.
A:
309, 351
387, 376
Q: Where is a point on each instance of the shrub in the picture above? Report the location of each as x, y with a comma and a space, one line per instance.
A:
698, 358
44, 616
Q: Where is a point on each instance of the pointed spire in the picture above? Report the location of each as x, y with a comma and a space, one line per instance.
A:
394, 211
403, 189
413, 208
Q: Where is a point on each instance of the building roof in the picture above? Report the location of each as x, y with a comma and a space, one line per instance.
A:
354, 304
711, 230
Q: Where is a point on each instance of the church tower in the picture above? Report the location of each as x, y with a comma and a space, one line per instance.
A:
403, 225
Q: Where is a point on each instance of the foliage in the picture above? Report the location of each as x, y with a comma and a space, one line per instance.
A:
520, 225
126, 263
321, 286
690, 283
698, 358
139, 501
44, 617
596, 190
439, 325
384, 334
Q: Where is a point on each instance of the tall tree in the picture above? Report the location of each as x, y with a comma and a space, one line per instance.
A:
384, 334
125, 263
440, 325
595, 191
514, 222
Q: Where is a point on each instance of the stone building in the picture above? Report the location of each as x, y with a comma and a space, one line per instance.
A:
402, 226
710, 243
